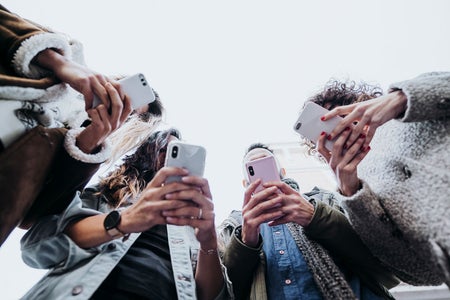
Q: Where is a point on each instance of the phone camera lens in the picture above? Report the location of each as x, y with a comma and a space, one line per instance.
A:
175, 152
251, 171
298, 126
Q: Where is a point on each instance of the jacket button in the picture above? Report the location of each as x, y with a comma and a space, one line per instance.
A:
112, 246
384, 218
444, 103
78, 289
407, 172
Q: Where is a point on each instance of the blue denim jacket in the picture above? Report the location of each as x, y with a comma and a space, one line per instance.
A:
76, 273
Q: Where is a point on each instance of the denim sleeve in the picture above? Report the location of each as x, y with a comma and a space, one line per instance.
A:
46, 246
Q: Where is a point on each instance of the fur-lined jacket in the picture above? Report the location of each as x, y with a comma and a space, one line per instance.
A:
40, 165
30, 95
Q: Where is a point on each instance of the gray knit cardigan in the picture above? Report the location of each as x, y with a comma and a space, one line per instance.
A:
402, 212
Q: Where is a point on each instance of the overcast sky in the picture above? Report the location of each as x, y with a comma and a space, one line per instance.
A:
234, 72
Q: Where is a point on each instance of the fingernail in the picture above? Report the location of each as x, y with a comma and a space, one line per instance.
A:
347, 129
322, 118
329, 137
323, 133
362, 136
367, 148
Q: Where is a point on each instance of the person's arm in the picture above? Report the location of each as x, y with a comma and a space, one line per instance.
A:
423, 98
45, 245
14, 30
241, 262
78, 76
427, 96
373, 224
332, 230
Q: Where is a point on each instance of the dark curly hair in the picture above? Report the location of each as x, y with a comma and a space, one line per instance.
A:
337, 93
137, 169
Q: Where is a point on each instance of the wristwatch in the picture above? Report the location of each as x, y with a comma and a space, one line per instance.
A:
111, 222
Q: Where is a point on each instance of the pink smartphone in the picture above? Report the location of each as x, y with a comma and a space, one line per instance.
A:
264, 168
310, 126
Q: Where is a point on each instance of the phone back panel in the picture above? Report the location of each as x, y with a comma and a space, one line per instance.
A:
310, 126
184, 155
264, 168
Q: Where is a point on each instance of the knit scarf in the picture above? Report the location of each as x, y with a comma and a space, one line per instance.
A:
326, 274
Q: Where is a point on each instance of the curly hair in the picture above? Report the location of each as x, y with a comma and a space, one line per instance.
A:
338, 93
137, 170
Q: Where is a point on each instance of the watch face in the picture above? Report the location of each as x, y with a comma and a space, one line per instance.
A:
112, 220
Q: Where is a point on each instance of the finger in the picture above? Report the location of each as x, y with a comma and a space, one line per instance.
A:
100, 91
353, 150
248, 194
347, 121
339, 145
201, 182
320, 146
338, 111
104, 118
116, 105
126, 111
360, 156
163, 173
358, 129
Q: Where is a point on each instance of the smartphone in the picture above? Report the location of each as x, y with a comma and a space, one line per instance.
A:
264, 168
310, 126
184, 155
136, 88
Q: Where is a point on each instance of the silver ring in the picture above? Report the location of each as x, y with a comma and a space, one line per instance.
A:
200, 214
192, 218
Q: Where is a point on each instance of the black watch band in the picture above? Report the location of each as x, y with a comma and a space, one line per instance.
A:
111, 223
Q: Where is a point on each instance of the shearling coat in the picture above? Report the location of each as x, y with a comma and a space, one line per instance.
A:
402, 212
30, 97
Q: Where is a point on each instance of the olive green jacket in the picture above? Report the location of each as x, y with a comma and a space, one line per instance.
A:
329, 227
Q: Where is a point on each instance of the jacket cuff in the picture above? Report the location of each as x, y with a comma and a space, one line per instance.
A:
76, 153
31, 47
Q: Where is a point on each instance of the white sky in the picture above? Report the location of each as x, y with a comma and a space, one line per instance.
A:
234, 72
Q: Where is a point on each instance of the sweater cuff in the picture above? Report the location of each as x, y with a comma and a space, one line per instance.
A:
76, 153
32, 46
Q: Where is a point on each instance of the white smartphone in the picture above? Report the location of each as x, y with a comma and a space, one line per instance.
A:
310, 126
264, 168
184, 155
136, 88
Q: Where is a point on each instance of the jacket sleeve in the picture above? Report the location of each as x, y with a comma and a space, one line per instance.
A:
46, 246
331, 228
241, 262
21, 41
428, 96
386, 241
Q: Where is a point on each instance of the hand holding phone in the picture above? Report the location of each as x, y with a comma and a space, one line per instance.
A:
264, 168
184, 155
136, 88
310, 126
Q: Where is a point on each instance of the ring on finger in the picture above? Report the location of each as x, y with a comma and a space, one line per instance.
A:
200, 213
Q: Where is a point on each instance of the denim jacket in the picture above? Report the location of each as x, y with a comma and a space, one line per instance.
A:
76, 273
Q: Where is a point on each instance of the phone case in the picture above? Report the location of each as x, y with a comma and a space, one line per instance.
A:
310, 126
264, 168
184, 155
136, 88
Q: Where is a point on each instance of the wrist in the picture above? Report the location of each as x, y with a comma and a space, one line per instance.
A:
400, 102
50, 59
